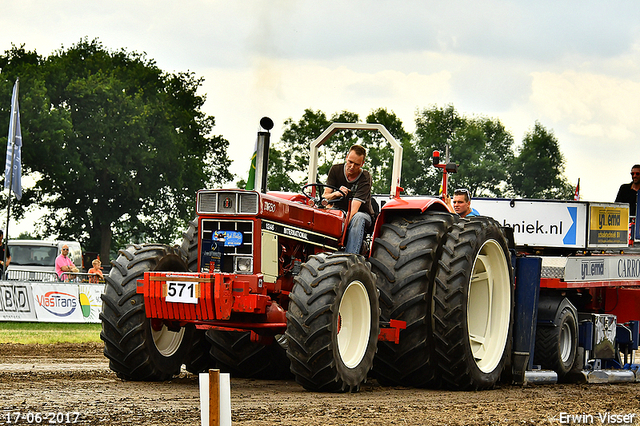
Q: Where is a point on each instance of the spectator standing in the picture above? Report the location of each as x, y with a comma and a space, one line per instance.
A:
64, 263
628, 192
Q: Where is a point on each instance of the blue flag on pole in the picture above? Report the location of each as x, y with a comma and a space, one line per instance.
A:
13, 176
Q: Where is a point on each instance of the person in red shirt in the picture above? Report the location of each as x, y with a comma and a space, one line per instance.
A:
96, 272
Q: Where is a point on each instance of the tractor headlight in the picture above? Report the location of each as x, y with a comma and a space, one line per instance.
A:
244, 265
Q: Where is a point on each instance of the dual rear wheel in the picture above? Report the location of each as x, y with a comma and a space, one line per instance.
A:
451, 280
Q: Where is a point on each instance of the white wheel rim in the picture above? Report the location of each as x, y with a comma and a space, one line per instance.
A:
167, 342
565, 343
354, 324
489, 306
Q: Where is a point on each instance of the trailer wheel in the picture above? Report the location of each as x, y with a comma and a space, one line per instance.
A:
404, 257
235, 353
473, 305
333, 323
140, 348
556, 346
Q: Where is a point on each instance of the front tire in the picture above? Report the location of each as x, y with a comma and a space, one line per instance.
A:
333, 323
140, 348
473, 305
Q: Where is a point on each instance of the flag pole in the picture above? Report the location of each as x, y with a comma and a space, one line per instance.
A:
13, 124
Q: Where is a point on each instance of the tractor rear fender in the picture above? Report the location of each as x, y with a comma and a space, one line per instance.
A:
406, 206
550, 309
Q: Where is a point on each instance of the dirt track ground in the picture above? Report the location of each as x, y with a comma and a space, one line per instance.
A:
76, 378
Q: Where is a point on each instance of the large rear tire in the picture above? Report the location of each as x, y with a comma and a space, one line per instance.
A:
333, 323
557, 346
140, 348
473, 305
198, 359
404, 257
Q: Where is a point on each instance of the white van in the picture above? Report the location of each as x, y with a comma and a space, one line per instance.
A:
35, 260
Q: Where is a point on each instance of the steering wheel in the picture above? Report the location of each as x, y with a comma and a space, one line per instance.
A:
317, 200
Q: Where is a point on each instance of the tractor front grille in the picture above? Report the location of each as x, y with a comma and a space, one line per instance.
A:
227, 202
212, 226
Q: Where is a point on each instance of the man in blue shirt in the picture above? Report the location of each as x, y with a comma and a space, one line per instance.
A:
462, 203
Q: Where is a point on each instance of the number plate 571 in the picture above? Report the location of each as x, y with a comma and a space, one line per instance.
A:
182, 292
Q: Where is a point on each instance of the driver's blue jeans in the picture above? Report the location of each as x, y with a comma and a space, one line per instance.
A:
355, 233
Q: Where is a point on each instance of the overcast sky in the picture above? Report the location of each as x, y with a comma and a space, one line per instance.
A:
574, 66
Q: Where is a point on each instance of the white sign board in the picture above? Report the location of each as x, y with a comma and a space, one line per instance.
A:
67, 302
602, 268
16, 302
57, 302
539, 223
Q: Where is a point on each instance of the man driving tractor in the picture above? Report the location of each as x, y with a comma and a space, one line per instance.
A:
355, 188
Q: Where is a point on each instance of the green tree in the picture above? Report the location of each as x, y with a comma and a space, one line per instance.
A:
39, 123
435, 129
380, 153
537, 171
481, 147
289, 157
122, 146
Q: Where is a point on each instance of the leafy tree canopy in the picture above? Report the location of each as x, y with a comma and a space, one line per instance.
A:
537, 171
481, 146
118, 147
289, 157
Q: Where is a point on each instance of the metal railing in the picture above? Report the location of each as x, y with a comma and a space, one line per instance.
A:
43, 276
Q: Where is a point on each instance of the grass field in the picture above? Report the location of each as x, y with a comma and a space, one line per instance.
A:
44, 333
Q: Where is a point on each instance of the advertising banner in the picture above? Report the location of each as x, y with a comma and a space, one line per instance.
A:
16, 302
608, 225
67, 302
539, 223
602, 268
90, 301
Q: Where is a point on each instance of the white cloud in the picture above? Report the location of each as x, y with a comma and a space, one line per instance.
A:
284, 89
592, 105
596, 117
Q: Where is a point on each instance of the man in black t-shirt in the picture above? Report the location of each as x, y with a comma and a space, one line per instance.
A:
356, 184
628, 192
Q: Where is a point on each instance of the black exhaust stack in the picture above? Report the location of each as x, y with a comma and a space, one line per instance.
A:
262, 155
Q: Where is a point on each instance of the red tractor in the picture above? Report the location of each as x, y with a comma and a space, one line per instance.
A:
260, 288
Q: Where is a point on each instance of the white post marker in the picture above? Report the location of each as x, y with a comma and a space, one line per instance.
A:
215, 398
